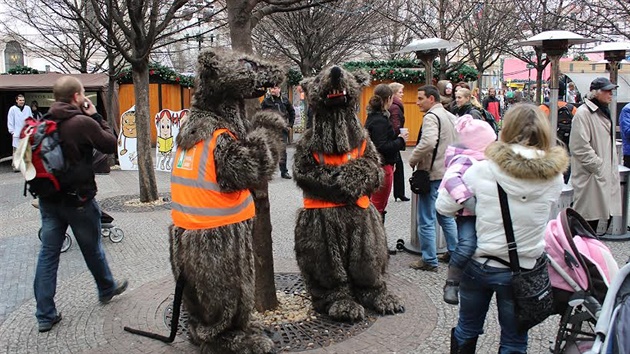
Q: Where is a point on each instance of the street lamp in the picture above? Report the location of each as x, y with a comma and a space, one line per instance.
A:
554, 44
426, 51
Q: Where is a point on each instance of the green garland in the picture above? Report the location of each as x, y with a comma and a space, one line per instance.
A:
294, 77
408, 71
158, 74
22, 70
580, 57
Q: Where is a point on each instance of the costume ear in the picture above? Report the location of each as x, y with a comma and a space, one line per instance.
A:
362, 77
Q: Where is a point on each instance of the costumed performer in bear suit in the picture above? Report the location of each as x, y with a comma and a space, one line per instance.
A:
340, 241
220, 156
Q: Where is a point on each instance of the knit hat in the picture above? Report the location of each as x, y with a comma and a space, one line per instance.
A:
474, 134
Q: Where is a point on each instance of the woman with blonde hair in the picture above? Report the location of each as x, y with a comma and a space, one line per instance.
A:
529, 169
397, 118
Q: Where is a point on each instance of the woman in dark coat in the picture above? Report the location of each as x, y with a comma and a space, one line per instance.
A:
397, 118
387, 142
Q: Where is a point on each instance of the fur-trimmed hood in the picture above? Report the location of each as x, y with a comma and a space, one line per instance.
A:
526, 163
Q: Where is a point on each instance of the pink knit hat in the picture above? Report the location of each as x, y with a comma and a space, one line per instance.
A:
474, 134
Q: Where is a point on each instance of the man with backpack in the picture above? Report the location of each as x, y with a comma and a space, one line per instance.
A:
80, 129
275, 102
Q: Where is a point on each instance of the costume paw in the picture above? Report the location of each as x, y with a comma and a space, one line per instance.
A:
388, 304
269, 120
346, 310
257, 344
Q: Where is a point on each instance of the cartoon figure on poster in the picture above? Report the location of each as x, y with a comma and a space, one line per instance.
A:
167, 123
128, 140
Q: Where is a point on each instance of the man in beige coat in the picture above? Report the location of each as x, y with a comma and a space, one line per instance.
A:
594, 176
421, 157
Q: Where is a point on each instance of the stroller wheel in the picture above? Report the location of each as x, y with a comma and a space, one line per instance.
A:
67, 243
106, 232
116, 235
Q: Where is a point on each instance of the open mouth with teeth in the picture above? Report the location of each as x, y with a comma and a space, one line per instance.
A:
336, 98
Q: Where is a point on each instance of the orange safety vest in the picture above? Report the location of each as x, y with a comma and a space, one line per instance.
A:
197, 199
337, 160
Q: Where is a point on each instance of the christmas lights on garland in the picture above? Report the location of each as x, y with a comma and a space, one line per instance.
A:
22, 70
158, 74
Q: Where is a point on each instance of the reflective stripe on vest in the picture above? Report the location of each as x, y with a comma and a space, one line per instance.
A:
197, 200
337, 160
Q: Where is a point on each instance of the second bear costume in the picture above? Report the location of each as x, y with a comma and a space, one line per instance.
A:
340, 241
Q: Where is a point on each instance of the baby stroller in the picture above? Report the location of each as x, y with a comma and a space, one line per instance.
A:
612, 328
580, 269
108, 229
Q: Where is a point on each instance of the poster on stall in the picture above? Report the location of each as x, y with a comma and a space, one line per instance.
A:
167, 123
128, 141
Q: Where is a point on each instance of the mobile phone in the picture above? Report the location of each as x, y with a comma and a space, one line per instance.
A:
86, 104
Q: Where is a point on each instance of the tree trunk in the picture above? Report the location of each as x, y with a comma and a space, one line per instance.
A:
239, 20
539, 74
266, 298
148, 186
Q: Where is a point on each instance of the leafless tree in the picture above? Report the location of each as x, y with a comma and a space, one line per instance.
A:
315, 37
135, 26
57, 36
439, 18
486, 35
243, 17
614, 17
393, 34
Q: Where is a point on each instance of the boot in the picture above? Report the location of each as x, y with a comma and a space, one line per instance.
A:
468, 347
451, 288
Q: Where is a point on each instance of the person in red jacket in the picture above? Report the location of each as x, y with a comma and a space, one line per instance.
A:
492, 104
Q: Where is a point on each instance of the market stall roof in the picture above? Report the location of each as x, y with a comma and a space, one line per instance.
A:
39, 82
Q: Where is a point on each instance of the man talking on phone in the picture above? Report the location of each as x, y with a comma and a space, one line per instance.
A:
81, 129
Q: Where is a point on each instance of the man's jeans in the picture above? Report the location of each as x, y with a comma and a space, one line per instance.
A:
282, 163
466, 241
426, 215
85, 222
479, 282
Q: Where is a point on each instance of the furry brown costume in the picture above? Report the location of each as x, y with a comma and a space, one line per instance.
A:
341, 251
218, 263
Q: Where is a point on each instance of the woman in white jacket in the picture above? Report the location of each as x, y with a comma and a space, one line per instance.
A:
530, 170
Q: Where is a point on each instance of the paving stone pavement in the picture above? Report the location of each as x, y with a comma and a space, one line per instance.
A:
142, 257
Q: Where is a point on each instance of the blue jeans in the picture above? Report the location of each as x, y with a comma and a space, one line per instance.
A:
466, 241
426, 215
85, 222
479, 282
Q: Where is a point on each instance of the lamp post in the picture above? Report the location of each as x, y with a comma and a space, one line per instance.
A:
426, 51
554, 44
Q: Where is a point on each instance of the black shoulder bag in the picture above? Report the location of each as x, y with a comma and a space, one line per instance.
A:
531, 288
420, 180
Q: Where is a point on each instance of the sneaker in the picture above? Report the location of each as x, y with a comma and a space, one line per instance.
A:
445, 257
120, 288
421, 265
47, 326
285, 175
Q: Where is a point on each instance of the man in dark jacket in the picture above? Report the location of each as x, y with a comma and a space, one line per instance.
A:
81, 129
274, 102
492, 104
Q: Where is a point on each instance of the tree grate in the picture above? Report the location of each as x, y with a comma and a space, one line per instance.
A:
117, 203
320, 331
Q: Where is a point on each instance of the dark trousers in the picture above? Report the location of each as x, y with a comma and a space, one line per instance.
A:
626, 160
283, 153
399, 178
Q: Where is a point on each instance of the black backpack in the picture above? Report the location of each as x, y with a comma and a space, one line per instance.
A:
489, 118
565, 118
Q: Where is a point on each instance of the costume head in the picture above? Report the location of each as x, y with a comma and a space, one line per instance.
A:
333, 96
